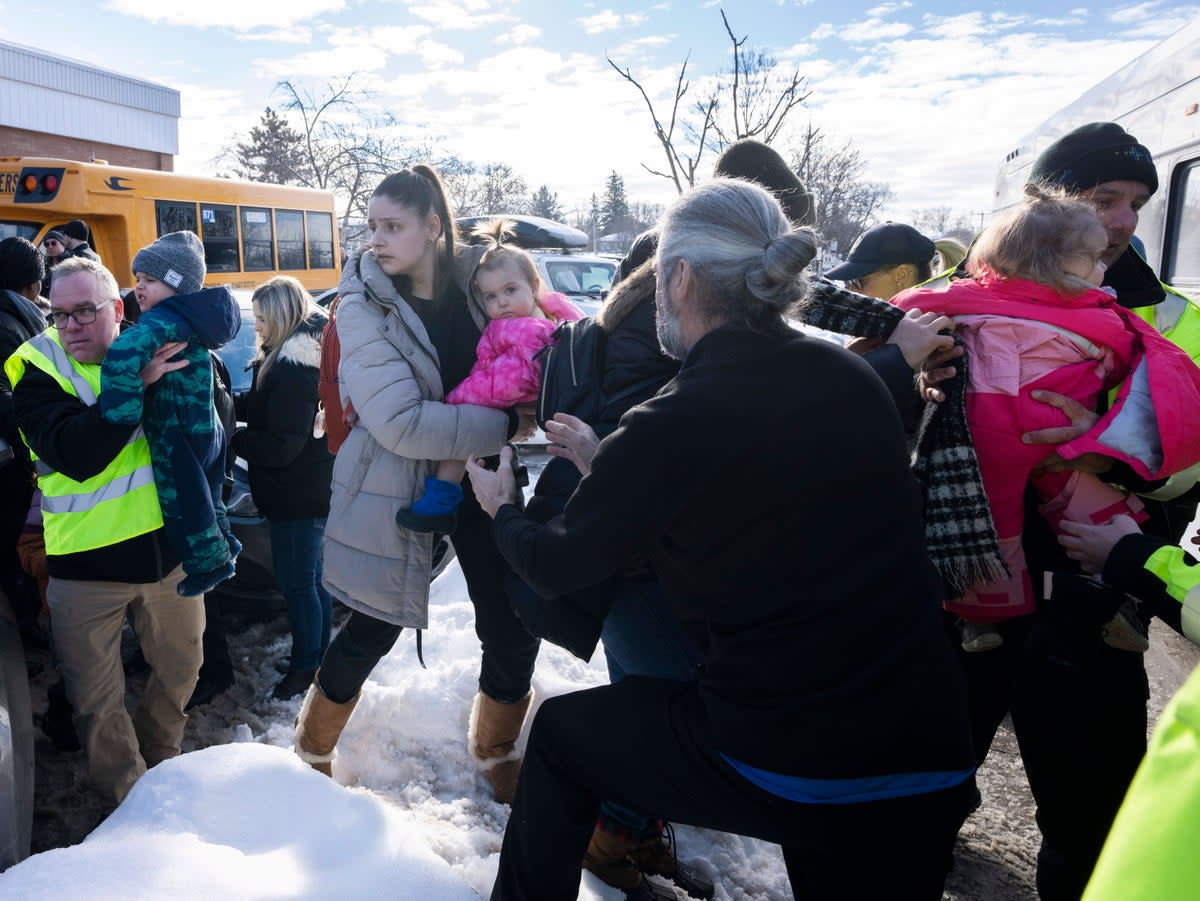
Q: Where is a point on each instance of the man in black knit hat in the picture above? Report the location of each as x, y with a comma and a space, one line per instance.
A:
1077, 699
77, 235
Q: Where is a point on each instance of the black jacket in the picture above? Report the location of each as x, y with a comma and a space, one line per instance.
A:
75, 439
291, 471
769, 486
20, 320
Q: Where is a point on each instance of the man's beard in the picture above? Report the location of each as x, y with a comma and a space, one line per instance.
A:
666, 324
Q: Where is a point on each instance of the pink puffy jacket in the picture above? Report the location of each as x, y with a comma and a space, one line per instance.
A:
505, 371
1023, 336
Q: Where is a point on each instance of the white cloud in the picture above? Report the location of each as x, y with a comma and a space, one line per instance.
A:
608, 20
823, 31
1134, 14
520, 34
291, 35
885, 9
461, 15
631, 48
437, 55
872, 30
235, 14
365, 49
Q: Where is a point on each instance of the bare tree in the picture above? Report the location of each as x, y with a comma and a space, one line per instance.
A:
943, 222
484, 190
835, 175
752, 100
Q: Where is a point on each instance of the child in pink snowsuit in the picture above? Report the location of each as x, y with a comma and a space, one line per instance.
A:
1034, 318
523, 318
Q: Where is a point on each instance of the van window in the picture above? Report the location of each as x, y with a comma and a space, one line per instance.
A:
1183, 245
26, 230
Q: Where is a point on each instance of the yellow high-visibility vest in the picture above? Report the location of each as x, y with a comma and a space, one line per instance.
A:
113, 506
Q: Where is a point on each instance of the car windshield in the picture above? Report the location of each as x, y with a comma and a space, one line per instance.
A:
590, 277
238, 353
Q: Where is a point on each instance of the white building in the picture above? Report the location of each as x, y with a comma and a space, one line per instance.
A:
51, 106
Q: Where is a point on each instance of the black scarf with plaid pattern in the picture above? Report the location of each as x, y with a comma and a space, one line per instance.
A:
959, 531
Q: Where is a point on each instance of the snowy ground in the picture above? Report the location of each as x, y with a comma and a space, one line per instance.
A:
410, 817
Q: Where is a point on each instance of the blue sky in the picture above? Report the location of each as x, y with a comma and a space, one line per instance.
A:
933, 94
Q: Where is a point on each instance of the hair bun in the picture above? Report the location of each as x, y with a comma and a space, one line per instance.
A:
778, 278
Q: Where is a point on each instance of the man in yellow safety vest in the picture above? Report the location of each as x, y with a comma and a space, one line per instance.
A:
105, 544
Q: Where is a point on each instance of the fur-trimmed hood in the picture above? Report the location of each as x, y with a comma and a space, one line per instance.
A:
628, 293
303, 347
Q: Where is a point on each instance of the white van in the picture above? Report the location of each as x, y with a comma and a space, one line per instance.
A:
1156, 98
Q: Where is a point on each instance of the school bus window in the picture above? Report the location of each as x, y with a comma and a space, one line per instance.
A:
320, 241
1183, 259
258, 251
174, 216
219, 233
289, 231
26, 230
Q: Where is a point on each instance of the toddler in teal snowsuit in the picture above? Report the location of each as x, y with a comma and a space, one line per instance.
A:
187, 443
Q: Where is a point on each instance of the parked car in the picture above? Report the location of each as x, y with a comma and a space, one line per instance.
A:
558, 251
16, 745
253, 585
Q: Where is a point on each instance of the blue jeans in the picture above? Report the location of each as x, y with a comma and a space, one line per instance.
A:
296, 549
643, 637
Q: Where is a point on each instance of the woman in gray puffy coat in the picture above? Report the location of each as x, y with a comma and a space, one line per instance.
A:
408, 322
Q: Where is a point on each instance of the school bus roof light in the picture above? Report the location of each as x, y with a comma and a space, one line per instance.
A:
38, 184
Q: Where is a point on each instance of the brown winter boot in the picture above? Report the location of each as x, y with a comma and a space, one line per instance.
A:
492, 736
654, 856
319, 726
607, 858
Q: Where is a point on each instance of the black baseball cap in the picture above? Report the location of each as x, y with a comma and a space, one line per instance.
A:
888, 244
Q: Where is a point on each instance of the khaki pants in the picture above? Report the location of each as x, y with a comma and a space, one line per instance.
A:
86, 619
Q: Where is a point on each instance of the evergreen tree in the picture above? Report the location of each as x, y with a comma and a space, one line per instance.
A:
544, 203
272, 153
614, 210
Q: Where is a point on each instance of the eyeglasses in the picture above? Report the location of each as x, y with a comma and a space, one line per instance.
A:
84, 315
54, 241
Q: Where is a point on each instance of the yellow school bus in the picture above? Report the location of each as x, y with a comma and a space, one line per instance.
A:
250, 231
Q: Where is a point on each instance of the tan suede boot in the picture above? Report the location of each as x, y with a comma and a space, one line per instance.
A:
492, 737
607, 858
319, 726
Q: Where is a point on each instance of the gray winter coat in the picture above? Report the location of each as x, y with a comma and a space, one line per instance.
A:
389, 371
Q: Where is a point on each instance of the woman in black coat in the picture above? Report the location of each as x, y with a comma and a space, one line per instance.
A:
290, 467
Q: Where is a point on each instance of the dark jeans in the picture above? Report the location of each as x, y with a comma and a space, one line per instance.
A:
1079, 713
643, 637
579, 752
296, 553
509, 652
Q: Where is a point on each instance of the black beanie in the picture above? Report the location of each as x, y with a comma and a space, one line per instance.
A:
755, 161
21, 264
1093, 154
77, 229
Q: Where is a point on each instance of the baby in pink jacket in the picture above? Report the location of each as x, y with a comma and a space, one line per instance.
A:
523, 319
1034, 318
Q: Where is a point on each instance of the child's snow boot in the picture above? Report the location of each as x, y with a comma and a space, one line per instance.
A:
437, 509
200, 583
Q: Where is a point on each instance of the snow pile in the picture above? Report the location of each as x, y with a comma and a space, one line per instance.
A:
415, 822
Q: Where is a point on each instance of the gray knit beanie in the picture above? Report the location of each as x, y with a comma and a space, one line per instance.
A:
176, 259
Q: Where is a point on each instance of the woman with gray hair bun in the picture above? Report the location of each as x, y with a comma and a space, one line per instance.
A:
828, 715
